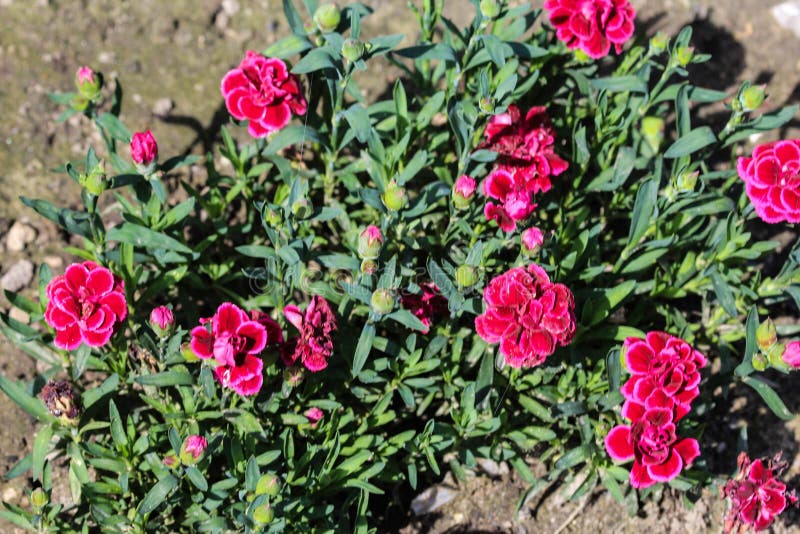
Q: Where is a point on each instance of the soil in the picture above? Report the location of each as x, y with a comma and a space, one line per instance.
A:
170, 57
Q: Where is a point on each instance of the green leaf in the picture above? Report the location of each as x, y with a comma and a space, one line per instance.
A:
157, 494
196, 478
770, 397
363, 348
643, 210
114, 127
141, 236
30, 404
92, 395
573, 457
74, 222
724, 294
603, 301
317, 59
358, 118
691, 142
751, 343
616, 84
293, 18
287, 47
41, 446
166, 378
429, 51
291, 135
412, 168
117, 431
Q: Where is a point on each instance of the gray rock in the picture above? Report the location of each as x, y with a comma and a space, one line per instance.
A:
18, 276
19, 235
432, 499
163, 107
788, 15
492, 468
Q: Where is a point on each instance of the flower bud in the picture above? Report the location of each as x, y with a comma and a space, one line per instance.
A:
88, 83
144, 152
775, 356
353, 49
490, 8
382, 301
95, 182
313, 415
273, 218
61, 400
653, 132
293, 375
463, 190
759, 361
394, 198
188, 354
658, 43
327, 18
79, 103
369, 266
766, 335
686, 181
684, 55
791, 354
532, 240
302, 208
268, 484
171, 461
752, 97
486, 104
466, 276
370, 242
38, 499
192, 449
264, 514
162, 321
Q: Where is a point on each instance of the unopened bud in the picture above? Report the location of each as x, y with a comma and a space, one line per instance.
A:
686, 181
293, 375
327, 18
684, 55
162, 321
486, 104
532, 240
264, 514
490, 8
753, 97
171, 461
369, 266
370, 242
766, 335
463, 191
38, 499
659, 42
188, 354
192, 449
302, 208
268, 484
382, 301
95, 181
759, 361
273, 218
394, 198
353, 49
88, 83
144, 152
466, 276
653, 132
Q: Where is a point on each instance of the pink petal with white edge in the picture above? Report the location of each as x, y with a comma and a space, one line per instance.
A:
202, 343
69, 338
688, 449
227, 319
638, 357
618, 443
100, 281
668, 470
640, 478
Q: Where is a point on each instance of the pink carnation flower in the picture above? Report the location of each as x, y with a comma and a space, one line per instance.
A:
313, 415
757, 496
532, 239
464, 186
791, 355
516, 202
235, 342
592, 25
772, 180
85, 304
665, 373
195, 445
84, 75
426, 305
162, 318
658, 455
262, 91
314, 347
527, 314
144, 149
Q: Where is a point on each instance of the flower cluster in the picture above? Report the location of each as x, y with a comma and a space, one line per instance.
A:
772, 180
757, 496
314, 346
527, 315
526, 161
665, 374
262, 91
86, 304
592, 25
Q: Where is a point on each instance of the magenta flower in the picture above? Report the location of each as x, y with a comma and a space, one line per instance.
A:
85, 305
592, 25
757, 496
427, 305
665, 373
144, 149
772, 180
235, 342
162, 320
658, 455
262, 91
193, 448
791, 355
527, 315
516, 202
525, 147
314, 347
313, 415
532, 239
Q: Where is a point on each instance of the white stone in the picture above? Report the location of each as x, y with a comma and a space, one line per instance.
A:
432, 499
788, 15
19, 235
18, 276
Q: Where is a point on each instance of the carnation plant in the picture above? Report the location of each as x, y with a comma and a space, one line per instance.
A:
530, 249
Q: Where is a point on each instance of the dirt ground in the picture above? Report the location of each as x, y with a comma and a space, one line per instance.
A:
170, 57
